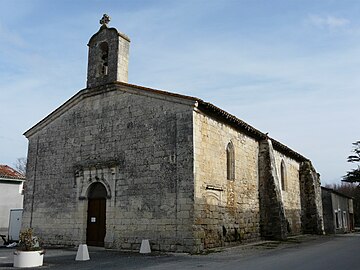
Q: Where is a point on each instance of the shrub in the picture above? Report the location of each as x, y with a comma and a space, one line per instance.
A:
29, 242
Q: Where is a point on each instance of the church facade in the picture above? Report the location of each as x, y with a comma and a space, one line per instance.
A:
118, 163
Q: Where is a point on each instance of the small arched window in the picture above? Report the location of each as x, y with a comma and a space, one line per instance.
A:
104, 55
230, 161
283, 175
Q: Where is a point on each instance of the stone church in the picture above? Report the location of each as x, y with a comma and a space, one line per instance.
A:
118, 163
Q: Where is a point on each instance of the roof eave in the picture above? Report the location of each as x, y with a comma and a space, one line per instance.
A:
87, 92
247, 129
200, 104
7, 179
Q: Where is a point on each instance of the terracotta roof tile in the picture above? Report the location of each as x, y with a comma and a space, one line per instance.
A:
9, 173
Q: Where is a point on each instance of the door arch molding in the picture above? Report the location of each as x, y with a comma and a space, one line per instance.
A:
84, 192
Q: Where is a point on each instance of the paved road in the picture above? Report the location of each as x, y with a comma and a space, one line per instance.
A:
305, 253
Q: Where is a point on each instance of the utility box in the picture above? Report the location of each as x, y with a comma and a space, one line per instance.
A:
14, 224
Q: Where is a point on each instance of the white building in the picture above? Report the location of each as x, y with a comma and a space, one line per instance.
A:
11, 193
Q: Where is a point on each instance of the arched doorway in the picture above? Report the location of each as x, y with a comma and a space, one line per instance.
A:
96, 216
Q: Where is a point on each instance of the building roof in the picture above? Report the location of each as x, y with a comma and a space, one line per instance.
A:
110, 29
203, 106
336, 192
248, 129
228, 118
6, 172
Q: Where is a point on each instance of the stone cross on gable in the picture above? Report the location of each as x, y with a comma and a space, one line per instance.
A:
105, 20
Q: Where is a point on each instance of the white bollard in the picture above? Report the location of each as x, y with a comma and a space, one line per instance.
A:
82, 253
145, 247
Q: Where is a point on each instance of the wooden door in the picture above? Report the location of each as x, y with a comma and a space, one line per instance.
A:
96, 227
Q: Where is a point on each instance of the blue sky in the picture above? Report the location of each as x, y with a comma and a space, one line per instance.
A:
290, 68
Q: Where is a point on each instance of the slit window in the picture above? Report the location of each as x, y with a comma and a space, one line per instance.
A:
230, 161
104, 55
283, 175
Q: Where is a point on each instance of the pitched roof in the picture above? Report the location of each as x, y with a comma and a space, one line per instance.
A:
248, 129
7, 172
206, 107
336, 192
227, 118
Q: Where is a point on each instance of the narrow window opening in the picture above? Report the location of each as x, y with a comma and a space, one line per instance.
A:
230, 161
283, 175
337, 223
224, 231
104, 55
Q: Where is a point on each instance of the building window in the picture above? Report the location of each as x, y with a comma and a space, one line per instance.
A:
337, 223
230, 161
104, 55
283, 175
344, 220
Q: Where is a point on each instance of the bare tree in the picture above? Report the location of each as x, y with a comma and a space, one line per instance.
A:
20, 165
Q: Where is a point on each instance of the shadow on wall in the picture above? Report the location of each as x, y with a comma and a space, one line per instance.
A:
221, 226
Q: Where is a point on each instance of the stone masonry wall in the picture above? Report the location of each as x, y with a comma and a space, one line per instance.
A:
117, 60
226, 211
273, 221
290, 194
311, 204
139, 146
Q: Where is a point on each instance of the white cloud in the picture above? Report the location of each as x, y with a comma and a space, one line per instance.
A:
328, 21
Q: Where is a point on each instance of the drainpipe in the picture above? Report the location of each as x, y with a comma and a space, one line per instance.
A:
33, 191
